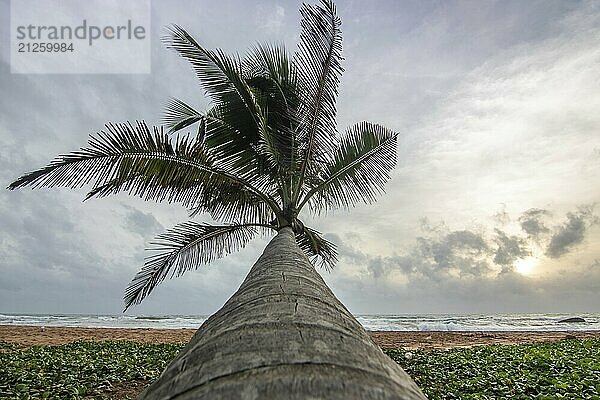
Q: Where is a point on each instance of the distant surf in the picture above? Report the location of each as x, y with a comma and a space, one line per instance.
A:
406, 322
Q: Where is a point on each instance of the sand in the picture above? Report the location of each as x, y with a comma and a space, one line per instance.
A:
32, 336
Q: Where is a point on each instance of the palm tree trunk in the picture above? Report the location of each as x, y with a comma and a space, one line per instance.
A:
283, 334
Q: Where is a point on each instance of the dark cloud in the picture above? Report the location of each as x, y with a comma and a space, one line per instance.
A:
509, 249
48, 264
572, 232
377, 267
532, 222
461, 250
436, 257
442, 254
142, 223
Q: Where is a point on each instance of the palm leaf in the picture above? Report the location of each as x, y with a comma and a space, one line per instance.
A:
233, 149
217, 136
243, 132
183, 248
233, 131
273, 80
232, 203
179, 185
358, 171
318, 60
319, 250
221, 78
178, 115
143, 162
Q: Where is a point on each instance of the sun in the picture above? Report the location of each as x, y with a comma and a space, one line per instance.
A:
526, 266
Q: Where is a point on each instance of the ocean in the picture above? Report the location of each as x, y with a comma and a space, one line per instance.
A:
406, 322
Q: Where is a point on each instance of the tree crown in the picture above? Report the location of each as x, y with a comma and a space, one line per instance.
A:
267, 148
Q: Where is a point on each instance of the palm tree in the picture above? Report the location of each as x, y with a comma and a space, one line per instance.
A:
266, 149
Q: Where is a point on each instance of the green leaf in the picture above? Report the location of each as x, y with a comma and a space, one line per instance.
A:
183, 248
358, 171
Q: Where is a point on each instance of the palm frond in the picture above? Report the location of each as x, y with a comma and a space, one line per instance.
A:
232, 131
143, 162
232, 203
252, 141
183, 248
233, 149
359, 170
319, 250
173, 183
271, 76
178, 115
318, 61
221, 78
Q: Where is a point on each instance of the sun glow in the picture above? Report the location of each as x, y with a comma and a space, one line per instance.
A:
526, 266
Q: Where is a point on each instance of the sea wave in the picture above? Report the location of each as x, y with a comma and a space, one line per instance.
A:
406, 322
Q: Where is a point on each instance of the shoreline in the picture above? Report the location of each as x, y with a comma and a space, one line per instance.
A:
27, 336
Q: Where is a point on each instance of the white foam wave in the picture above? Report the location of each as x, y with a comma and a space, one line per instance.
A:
449, 322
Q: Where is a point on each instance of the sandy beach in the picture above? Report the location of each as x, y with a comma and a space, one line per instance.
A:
33, 335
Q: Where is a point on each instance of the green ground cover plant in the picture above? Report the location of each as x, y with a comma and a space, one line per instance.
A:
79, 370
569, 369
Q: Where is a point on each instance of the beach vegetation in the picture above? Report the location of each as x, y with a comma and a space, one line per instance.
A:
567, 369
80, 370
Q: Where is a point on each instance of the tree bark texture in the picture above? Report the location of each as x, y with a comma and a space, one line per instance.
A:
282, 335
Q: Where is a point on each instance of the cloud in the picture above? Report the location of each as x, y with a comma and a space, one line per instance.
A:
439, 256
443, 254
532, 222
572, 232
47, 260
270, 19
502, 217
577, 288
509, 249
517, 128
142, 223
460, 251
468, 270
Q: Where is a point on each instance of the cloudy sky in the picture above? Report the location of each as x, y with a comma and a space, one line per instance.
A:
492, 207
